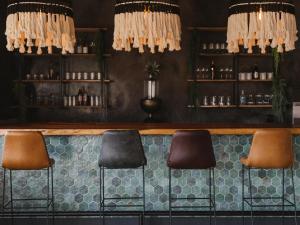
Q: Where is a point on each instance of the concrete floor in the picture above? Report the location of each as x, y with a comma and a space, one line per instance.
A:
149, 221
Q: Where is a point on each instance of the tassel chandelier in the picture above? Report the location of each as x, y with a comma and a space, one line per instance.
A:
155, 24
261, 23
40, 24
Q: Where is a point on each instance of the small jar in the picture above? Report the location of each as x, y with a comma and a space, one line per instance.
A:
41, 76
92, 100
85, 49
270, 76
99, 76
242, 76
65, 101
263, 76
73, 100
67, 77
70, 101
96, 100
28, 76
73, 76
92, 75
85, 75
249, 76
79, 76
35, 76
79, 49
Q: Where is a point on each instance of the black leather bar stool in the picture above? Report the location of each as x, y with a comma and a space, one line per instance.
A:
26, 151
121, 150
192, 150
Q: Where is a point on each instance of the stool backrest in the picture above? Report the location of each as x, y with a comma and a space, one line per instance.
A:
122, 149
191, 150
271, 148
25, 150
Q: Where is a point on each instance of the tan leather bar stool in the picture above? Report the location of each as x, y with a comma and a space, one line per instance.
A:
26, 151
192, 150
270, 149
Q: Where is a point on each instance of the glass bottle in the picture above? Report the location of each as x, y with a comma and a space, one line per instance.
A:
255, 73
213, 70
243, 99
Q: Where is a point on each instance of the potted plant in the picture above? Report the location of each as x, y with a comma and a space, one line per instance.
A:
280, 102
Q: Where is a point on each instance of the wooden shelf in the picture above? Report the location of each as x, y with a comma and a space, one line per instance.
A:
86, 55
211, 107
215, 54
254, 55
255, 81
43, 106
81, 81
37, 81
61, 55
82, 107
212, 81
255, 106
209, 29
90, 29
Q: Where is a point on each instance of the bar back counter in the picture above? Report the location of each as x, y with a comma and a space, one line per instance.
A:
76, 148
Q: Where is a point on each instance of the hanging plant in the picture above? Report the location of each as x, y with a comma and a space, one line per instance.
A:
280, 100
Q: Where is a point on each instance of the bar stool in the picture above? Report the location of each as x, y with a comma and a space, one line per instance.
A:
26, 151
121, 150
192, 150
270, 149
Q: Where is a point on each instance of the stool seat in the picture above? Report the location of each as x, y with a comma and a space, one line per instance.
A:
122, 149
25, 150
191, 150
270, 149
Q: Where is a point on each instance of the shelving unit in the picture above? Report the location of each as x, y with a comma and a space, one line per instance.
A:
233, 86
64, 86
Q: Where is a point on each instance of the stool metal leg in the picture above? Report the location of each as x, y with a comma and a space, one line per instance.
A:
251, 197
11, 198
170, 196
294, 196
52, 194
48, 195
282, 197
214, 194
210, 198
3, 191
144, 200
243, 193
103, 196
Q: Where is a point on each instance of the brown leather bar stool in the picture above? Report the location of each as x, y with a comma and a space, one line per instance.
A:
121, 149
270, 149
26, 151
192, 150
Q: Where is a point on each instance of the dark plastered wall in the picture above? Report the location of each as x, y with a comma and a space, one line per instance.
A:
127, 69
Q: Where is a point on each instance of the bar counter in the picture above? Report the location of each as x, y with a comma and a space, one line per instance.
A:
75, 149
67, 129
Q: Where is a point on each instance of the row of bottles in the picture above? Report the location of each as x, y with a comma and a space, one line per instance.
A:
258, 99
82, 99
212, 73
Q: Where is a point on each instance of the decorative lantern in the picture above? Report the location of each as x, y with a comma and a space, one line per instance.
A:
40, 23
261, 23
151, 103
147, 23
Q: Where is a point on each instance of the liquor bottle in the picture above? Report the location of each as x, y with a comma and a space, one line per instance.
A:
213, 70
255, 73
80, 96
243, 99
85, 97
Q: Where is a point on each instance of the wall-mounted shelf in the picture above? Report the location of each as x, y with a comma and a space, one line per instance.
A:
212, 81
255, 106
37, 81
236, 62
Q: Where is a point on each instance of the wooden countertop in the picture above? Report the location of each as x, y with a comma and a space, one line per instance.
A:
66, 129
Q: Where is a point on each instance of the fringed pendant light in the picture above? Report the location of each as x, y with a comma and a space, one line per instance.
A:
261, 23
40, 23
147, 23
